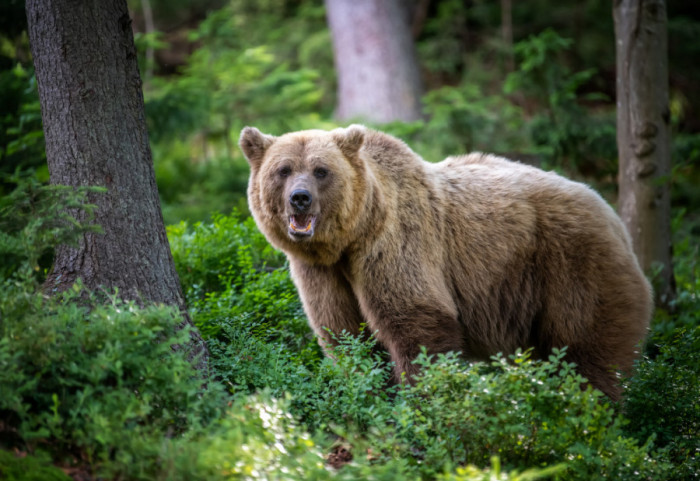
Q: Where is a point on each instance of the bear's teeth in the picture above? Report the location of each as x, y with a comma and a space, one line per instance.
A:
295, 227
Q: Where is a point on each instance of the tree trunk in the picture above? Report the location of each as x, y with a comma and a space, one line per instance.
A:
378, 76
507, 33
95, 128
149, 28
643, 136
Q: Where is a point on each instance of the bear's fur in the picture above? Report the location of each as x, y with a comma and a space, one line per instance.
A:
476, 254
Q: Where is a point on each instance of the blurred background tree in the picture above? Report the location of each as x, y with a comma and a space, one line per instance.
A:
375, 60
643, 130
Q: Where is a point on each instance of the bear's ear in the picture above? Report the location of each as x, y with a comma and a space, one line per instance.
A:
254, 144
350, 140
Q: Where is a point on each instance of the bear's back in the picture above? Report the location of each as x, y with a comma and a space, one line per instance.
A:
489, 180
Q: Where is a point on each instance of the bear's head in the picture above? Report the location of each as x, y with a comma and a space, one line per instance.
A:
307, 189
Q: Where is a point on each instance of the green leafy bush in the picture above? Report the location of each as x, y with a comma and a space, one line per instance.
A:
239, 290
21, 135
529, 413
210, 255
463, 119
96, 382
28, 468
662, 403
662, 400
561, 130
349, 391
100, 381
33, 219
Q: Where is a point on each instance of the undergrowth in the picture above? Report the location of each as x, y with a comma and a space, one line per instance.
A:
91, 383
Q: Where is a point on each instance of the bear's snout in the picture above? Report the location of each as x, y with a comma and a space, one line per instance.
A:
301, 200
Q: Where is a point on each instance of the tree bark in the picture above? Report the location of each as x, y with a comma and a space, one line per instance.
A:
643, 136
378, 75
95, 128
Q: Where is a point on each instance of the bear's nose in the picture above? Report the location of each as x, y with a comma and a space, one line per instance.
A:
300, 199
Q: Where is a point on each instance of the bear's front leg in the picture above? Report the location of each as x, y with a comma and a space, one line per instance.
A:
328, 301
404, 331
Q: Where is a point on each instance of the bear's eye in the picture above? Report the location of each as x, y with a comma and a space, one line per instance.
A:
284, 171
320, 173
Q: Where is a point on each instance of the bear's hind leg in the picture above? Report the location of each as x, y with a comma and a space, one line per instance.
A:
600, 376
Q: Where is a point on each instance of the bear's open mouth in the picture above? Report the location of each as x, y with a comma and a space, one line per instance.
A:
302, 225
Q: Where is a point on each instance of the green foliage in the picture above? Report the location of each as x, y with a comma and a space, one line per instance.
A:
95, 383
243, 300
239, 293
351, 390
21, 135
112, 395
662, 397
28, 468
34, 218
109, 388
208, 255
669, 383
472, 473
561, 130
441, 49
463, 119
529, 413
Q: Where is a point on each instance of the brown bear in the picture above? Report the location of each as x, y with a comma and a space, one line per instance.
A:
476, 254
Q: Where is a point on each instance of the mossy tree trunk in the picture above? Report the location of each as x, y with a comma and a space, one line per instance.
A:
375, 59
95, 128
643, 136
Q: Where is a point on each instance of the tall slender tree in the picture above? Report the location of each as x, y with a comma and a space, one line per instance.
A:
95, 128
643, 135
378, 75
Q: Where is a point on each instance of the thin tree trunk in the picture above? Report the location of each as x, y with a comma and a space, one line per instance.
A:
418, 17
95, 128
643, 135
378, 75
149, 27
507, 33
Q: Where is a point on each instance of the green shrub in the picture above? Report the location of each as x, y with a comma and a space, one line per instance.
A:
258, 439
33, 219
95, 381
22, 146
209, 256
98, 381
350, 390
562, 131
529, 413
28, 468
464, 118
662, 400
242, 300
